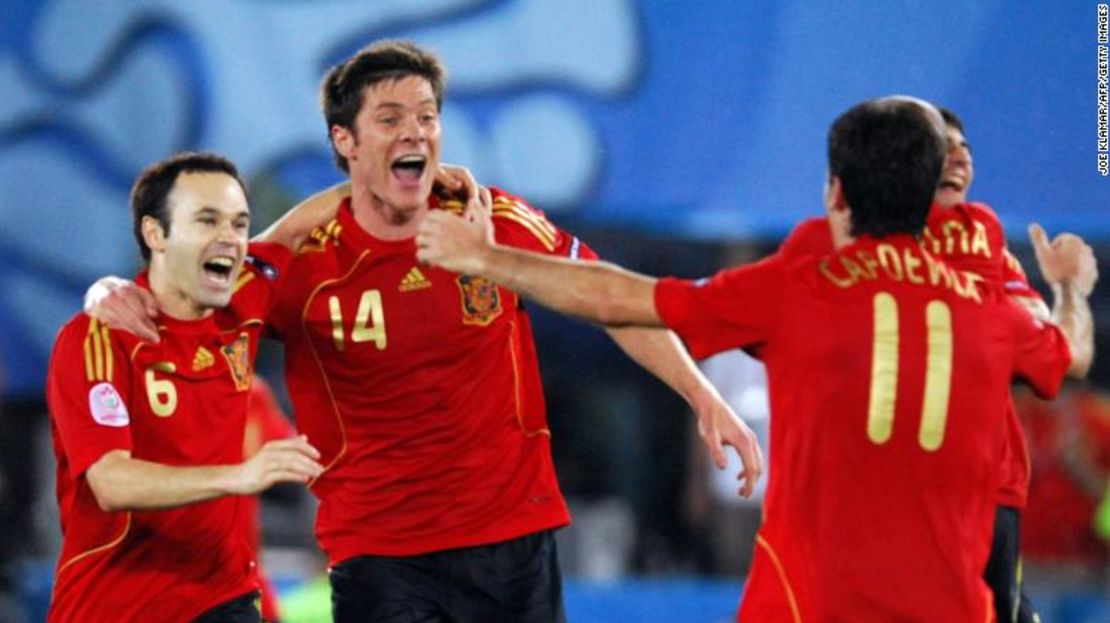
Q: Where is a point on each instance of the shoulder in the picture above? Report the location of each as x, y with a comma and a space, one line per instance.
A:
810, 237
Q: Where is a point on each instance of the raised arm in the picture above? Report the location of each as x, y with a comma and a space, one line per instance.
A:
1068, 265
121, 482
294, 227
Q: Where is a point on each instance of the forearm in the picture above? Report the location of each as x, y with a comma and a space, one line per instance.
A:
1071, 312
121, 483
294, 227
660, 352
596, 291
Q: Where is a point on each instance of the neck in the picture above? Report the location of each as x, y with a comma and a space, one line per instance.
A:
172, 301
382, 220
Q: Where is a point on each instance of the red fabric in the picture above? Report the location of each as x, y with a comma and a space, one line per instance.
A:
265, 423
968, 236
1070, 436
871, 529
177, 563
427, 407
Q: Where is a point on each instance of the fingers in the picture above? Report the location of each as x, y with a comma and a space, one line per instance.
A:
1038, 237
297, 444
127, 307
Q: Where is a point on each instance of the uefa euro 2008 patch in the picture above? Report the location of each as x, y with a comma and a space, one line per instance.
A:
107, 406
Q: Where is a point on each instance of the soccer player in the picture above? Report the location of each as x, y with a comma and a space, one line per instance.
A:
969, 236
421, 387
149, 437
888, 371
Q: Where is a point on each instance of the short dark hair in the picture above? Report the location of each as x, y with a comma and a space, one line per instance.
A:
888, 156
951, 119
148, 195
343, 86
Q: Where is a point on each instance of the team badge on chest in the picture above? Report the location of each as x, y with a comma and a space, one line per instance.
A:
238, 355
481, 302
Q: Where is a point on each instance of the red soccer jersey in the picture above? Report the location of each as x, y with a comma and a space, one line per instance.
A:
888, 373
422, 391
968, 236
180, 402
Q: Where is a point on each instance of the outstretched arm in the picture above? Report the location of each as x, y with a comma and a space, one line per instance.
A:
1068, 265
596, 291
121, 482
603, 293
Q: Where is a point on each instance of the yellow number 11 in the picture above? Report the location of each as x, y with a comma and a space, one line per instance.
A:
884, 372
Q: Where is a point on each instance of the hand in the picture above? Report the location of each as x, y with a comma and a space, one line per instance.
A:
719, 426
458, 244
1066, 261
285, 460
460, 182
121, 304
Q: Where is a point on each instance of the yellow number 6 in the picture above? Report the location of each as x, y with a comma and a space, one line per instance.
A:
161, 394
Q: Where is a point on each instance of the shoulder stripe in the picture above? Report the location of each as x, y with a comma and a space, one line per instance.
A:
90, 371
547, 242
108, 376
243, 280
502, 204
531, 221
98, 353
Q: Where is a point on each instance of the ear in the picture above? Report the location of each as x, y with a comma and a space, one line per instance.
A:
344, 141
838, 211
153, 234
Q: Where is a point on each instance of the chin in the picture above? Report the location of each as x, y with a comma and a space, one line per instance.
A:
215, 301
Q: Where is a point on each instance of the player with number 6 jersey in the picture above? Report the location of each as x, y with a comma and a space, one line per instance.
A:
148, 436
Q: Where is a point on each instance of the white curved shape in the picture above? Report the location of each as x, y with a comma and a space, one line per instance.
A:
545, 151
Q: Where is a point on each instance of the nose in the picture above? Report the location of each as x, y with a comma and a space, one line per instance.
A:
412, 130
959, 155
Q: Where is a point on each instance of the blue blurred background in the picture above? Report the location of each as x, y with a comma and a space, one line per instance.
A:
674, 136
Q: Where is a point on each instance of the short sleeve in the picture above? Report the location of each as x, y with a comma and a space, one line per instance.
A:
88, 387
519, 225
736, 308
811, 237
1042, 355
1014, 280
255, 292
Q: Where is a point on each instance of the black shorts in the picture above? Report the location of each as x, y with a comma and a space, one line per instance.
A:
239, 610
515, 581
1003, 572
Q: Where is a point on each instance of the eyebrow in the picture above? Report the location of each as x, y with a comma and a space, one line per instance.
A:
425, 102
211, 211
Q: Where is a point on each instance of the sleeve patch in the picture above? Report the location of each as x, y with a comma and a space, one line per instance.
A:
107, 406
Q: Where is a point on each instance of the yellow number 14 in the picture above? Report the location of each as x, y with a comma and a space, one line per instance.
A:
884, 372
369, 321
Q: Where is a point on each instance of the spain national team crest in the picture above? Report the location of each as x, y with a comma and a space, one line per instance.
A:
238, 355
481, 301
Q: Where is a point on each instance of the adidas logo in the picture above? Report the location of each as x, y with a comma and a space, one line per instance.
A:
414, 280
202, 359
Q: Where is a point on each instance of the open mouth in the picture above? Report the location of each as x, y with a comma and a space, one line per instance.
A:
951, 183
219, 268
409, 169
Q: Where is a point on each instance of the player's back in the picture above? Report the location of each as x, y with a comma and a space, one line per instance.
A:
884, 370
